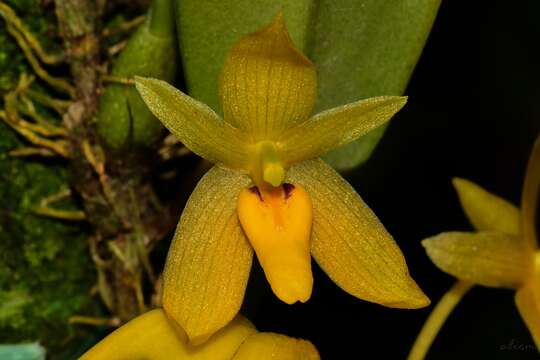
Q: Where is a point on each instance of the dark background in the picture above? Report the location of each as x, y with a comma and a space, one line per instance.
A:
473, 112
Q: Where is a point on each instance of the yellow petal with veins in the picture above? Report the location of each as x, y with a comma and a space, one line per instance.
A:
209, 260
197, 126
266, 84
277, 223
528, 303
270, 346
336, 127
350, 243
485, 210
152, 337
528, 296
486, 258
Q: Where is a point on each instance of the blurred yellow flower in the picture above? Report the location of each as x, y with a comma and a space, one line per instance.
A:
152, 336
503, 252
269, 191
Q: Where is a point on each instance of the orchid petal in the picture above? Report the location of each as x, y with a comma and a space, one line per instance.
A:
266, 83
338, 126
485, 210
269, 346
528, 296
152, 336
209, 260
147, 336
528, 303
486, 258
350, 243
196, 125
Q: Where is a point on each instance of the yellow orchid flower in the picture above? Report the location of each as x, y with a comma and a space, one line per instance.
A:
503, 252
269, 191
152, 336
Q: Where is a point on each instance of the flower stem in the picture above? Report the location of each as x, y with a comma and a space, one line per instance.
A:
437, 318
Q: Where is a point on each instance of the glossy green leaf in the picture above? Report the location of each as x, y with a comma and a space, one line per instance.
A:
123, 119
361, 48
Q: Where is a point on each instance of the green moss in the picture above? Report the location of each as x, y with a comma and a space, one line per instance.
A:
11, 60
45, 271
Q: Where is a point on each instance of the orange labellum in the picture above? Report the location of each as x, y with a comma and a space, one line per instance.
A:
277, 222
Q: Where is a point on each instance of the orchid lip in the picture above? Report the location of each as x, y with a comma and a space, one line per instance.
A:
277, 222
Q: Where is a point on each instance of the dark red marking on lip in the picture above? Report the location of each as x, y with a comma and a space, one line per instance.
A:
256, 191
288, 188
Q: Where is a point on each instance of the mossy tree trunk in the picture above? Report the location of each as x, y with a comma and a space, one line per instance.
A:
45, 264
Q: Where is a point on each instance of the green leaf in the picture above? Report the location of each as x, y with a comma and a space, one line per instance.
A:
45, 266
361, 48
